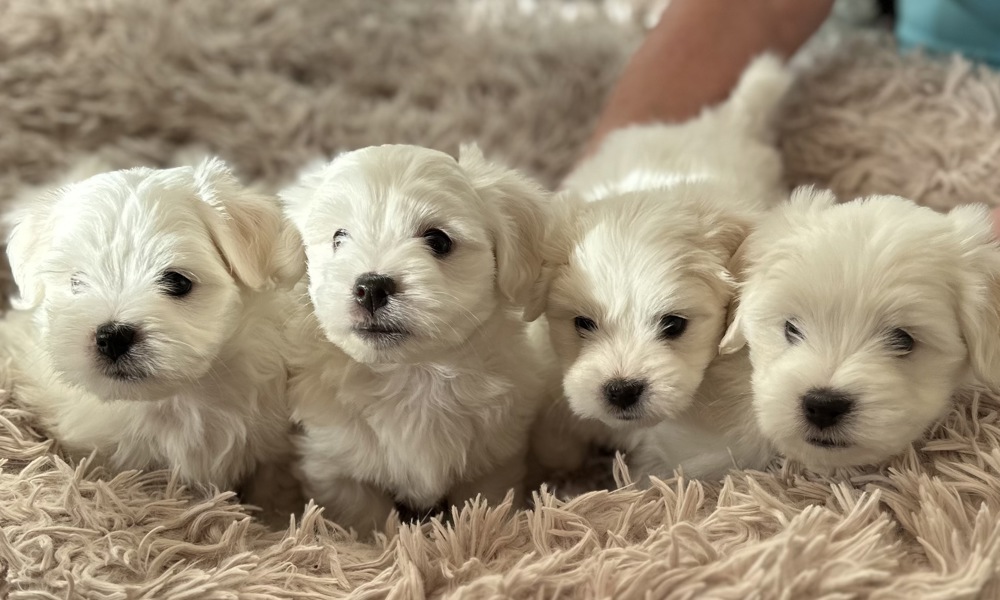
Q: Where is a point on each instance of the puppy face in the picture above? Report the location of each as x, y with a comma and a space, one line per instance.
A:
139, 275
859, 319
637, 300
410, 251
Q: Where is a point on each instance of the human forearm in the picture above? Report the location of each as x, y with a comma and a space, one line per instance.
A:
695, 55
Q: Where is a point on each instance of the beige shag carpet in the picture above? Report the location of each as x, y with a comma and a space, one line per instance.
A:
268, 84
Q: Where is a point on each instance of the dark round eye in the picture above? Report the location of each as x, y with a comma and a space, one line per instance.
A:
672, 326
584, 324
338, 238
900, 341
438, 241
174, 284
792, 333
76, 284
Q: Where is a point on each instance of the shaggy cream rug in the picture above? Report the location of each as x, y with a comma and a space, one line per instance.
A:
268, 84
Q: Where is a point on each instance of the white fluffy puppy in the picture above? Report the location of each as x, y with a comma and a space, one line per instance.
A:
863, 319
638, 285
415, 261
152, 331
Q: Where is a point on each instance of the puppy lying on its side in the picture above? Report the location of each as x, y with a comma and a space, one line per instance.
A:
638, 287
152, 330
415, 261
862, 320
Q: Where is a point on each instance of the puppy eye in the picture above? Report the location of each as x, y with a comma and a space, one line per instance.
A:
338, 238
174, 284
584, 324
900, 341
76, 285
672, 326
438, 241
792, 333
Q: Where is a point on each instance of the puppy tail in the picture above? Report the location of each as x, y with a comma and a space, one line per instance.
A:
754, 102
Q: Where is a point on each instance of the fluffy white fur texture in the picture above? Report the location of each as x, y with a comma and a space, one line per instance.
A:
890, 306
638, 286
435, 396
201, 388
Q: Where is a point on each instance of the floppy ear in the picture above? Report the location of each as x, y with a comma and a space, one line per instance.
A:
261, 249
29, 241
979, 296
30, 224
297, 197
538, 296
806, 202
734, 339
518, 224
562, 212
728, 234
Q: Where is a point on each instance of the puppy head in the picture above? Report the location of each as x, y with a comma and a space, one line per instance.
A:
636, 294
139, 275
862, 318
410, 251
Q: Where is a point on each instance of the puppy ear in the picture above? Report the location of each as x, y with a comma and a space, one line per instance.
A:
728, 237
30, 239
734, 339
538, 296
979, 310
728, 234
518, 224
805, 203
31, 222
562, 212
298, 196
261, 249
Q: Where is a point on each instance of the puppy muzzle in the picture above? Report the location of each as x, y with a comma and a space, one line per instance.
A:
118, 346
827, 414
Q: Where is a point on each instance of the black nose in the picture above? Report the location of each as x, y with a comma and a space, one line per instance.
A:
372, 291
825, 408
114, 339
623, 393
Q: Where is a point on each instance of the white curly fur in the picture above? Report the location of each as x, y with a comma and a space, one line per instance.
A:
649, 226
202, 388
440, 409
848, 278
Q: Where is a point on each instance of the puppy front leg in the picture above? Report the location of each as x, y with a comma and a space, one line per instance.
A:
559, 440
274, 487
708, 466
494, 485
353, 504
562, 443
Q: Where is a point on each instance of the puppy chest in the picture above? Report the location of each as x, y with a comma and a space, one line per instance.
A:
419, 441
419, 464
413, 460
204, 446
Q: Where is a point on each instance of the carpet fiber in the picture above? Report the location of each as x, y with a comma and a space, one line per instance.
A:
271, 83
